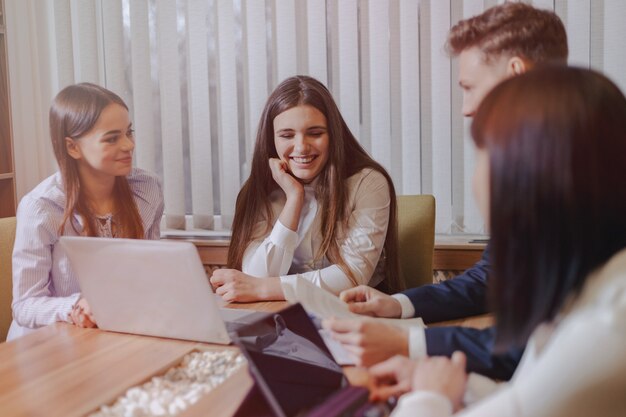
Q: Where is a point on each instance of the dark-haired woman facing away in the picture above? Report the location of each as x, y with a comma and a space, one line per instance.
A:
96, 192
315, 204
550, 180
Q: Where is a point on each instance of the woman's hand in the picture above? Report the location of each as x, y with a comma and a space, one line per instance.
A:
235, 286
391, 378
294, 190
368, 341
81, 314
442, 375
289, 184
369, 301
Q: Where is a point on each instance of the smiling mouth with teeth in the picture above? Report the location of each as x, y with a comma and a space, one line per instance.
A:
303, 159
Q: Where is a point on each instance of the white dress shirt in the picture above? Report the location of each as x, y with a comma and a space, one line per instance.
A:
285, 252
44, 286
572, 367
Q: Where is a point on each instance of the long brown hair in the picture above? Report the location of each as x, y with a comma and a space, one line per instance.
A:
556, 139
74, 112
346, 158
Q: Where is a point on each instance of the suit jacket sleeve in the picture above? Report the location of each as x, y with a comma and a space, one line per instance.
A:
477, 344
462, 296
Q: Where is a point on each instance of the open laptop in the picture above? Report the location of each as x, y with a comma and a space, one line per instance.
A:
152, 288
295, 373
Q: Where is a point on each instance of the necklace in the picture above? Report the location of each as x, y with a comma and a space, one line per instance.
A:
106, 225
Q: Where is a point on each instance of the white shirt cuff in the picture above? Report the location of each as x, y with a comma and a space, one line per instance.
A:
408, 310
417, 342
283, 236
423, 403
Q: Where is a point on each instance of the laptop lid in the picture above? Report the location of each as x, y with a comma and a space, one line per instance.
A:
146, 287
290, 363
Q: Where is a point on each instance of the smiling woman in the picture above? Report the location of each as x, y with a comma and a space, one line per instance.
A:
301, 141
96, 193
104, 152
316, 204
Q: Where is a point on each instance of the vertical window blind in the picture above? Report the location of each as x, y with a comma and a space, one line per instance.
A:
196, 74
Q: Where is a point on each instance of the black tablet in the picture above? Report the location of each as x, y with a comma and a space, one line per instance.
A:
293, 369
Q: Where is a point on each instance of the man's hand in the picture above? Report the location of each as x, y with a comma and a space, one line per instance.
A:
368, 341
369, 301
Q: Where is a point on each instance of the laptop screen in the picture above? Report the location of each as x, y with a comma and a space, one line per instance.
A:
289, 361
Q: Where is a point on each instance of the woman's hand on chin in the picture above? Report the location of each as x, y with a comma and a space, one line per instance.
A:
235, 286
287, 182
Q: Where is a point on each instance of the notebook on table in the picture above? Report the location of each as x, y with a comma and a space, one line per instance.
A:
153, 288
295, 373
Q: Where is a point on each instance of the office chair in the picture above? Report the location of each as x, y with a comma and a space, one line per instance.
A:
416, 238
7, 237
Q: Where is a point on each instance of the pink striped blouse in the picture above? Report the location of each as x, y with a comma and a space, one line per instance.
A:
44, 286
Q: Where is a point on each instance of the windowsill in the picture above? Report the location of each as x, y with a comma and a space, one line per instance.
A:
452, 252
196, 234
222, 237
461, 242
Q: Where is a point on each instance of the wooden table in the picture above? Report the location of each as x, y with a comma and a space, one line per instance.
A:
62, 370
477, 322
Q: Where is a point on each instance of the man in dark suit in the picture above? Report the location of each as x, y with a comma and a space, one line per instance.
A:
504, 41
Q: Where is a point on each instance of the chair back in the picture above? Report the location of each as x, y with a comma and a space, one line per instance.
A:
416, 238
7, 237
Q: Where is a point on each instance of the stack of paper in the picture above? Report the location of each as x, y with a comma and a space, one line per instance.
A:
325, 305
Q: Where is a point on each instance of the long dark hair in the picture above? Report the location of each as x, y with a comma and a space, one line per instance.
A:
346, 158
556, 139
74, 112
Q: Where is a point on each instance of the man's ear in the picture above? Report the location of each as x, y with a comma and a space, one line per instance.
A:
72, 148
516, 66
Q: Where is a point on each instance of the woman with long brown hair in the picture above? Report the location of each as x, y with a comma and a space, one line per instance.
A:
549, 180
96, 192
315, 204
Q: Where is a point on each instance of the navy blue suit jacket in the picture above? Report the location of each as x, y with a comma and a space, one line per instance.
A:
462, 296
